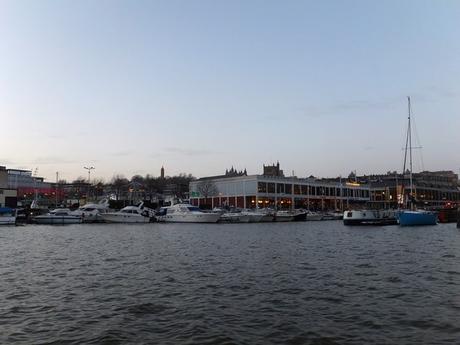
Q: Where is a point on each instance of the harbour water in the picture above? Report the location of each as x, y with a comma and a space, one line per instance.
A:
270, 283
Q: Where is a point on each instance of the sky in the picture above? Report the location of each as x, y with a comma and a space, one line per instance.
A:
200, 86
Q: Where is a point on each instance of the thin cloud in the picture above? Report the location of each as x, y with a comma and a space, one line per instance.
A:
6, 161
338, 108
53, 160
190, 152
122, 153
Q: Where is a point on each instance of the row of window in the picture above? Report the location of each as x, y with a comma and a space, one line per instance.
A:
282, 188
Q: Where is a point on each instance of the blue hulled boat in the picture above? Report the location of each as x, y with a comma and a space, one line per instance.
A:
411, 218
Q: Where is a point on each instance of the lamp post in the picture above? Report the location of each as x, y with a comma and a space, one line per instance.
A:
89, 179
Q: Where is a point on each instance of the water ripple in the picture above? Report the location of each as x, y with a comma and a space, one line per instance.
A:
294, 283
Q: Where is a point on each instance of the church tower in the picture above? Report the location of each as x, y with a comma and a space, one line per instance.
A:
162, 172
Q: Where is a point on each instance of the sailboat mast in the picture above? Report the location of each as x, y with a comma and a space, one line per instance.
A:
410, 148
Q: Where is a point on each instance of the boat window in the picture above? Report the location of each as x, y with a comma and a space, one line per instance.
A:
350, 214
193, 208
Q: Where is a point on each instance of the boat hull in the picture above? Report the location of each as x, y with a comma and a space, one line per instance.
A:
124, 218
189, 218
447, 215
234, 218
370, 222
284, 218
57, 220
7, 220
314, 216
414, 218
300, 217
370, 217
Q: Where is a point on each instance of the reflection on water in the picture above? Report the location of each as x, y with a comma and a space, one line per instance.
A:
290, 283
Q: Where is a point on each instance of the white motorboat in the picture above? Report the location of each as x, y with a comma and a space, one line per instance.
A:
370, 217
234, 217
311, 215
129, 214
91, 212
284, 216
186, 213
7, 216
268, 215
336, 215
254, 217
58, 216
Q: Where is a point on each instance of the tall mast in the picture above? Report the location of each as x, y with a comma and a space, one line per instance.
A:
410, 148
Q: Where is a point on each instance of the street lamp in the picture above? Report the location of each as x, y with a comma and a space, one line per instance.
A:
89, 172
89, 179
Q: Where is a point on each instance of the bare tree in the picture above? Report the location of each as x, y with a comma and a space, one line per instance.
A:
119, 183
207, 189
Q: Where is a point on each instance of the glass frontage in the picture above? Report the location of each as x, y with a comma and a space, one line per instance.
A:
280, 188
262, 187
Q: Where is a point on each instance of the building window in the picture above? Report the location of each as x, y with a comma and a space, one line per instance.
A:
288, 188
271, 187
304, 190
262, 187
297, 189
280, 188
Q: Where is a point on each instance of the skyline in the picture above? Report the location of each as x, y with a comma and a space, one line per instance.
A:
199, 87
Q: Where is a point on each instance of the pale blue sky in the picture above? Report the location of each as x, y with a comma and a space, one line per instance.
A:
198, 86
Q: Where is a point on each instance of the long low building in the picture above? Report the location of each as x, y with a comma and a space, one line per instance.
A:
8, 196
272, 189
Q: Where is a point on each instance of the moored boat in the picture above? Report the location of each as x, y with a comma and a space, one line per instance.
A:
234, 217
417, 217
284, 216
7, 216
370, 217
300, 215
186, 213
336, 215
91, 212
254, 217
410, 216
268, 215
129, 214
311, 215
58, 216
447, 214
